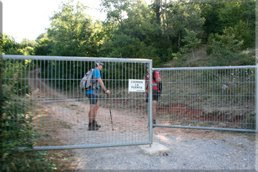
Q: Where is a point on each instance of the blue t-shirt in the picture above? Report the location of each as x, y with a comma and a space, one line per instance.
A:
95, 75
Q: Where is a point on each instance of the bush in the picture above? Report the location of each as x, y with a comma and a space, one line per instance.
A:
16, 125
226, 49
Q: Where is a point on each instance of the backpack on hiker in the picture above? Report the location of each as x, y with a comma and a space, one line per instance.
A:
86, 82
155, 75
156, 85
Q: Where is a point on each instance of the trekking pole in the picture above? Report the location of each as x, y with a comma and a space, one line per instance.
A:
111, 116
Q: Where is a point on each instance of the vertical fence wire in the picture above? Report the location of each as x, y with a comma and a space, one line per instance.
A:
210, 97
59, 107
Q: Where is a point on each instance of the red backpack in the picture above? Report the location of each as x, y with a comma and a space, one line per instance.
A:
155, 85
156, 75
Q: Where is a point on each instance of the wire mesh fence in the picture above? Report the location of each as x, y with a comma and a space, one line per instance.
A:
220, 98
49, 87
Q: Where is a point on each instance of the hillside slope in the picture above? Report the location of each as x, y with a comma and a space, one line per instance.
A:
199, 57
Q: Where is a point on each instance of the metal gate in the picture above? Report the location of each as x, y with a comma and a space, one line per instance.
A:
217, 98
49, 87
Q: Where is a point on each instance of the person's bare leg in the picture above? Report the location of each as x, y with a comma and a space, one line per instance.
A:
154, 109
91, 113
96, 108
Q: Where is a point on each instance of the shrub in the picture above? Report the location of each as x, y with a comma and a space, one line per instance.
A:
16, 125
226, 50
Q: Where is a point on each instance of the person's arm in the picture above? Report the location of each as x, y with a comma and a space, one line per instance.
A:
97, 75
103, 86
146, 78
160, 87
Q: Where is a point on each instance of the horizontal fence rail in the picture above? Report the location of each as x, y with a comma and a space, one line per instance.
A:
75, 58
48, 87
217, 98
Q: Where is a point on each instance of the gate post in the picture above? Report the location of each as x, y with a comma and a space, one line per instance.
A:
58, 87
256, 98
150, 103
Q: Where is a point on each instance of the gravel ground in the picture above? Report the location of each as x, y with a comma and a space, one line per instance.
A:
187, 149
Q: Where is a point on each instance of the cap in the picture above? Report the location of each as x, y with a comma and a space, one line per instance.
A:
99, 63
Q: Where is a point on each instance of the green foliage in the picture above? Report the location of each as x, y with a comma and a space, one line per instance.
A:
179, 16
134, 33
43, 46
162, 31
9, 46
191, 43
16, 123
14, 72
27, 47
190, 40
70, 32
239, 14
246, 33
226, 49
116, 9
140, 32
227, 40
211, 14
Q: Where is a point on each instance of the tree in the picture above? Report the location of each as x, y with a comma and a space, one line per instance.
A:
225, 49
210, 11
9, 46
191, 42
70, 32
116, 9
44, 45
239, 14
134, 36
157, 9
27, 47
179, 16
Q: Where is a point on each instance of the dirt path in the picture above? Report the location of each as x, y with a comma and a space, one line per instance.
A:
187, 149
66, 122
199, 150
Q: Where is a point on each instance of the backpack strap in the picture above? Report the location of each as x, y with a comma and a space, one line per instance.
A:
94, 84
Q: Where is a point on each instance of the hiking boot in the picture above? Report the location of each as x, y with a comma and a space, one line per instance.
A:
153, 123
96, 124
92, 127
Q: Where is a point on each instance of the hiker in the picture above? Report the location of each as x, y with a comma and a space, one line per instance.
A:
93, 94
156, 91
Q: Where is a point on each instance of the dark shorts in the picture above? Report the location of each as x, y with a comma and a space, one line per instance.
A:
155, 96
92, 98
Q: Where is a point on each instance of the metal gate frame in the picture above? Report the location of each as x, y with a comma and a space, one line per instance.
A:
149, 110
92, 59
212, 68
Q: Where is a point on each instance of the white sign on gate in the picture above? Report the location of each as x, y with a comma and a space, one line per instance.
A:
136, 85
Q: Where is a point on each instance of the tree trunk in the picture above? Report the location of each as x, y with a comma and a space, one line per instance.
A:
178, 41
157, 7
193, 53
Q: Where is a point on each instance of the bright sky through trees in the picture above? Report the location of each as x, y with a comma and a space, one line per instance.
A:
29, 18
